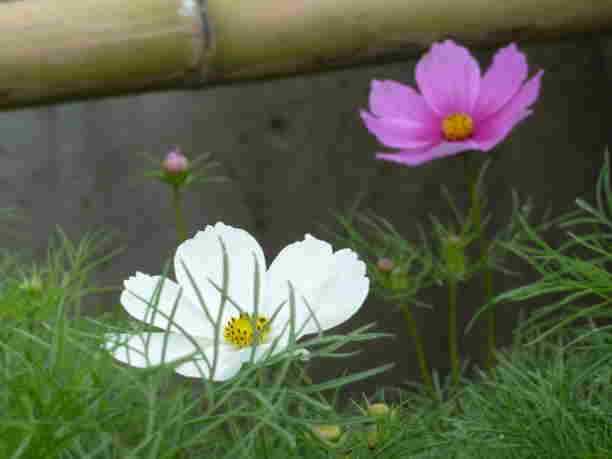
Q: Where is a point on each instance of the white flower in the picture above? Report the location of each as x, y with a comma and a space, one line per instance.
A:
332, 285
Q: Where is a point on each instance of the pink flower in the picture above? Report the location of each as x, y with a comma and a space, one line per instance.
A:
457, 109
175, 162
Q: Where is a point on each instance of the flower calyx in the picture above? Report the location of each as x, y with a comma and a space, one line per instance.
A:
176, 170
393, 275
454, 256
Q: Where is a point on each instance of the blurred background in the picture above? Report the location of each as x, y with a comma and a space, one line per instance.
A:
296, 150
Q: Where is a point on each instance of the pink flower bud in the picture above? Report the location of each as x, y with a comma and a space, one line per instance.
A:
175, 162
385, 264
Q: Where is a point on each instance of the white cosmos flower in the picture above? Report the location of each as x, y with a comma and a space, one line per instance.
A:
332, 285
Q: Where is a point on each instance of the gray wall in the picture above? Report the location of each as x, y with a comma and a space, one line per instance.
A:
296, 149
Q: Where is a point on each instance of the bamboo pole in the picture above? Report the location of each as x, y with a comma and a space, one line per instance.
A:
263, 37
57, 49
52, 49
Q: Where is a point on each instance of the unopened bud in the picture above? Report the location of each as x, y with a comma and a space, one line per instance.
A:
372, 439
385, 265
327, 432
32, 285
378, 409
175, 162
453, 251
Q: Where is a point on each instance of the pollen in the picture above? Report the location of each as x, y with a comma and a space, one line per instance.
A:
239, 330
458, 126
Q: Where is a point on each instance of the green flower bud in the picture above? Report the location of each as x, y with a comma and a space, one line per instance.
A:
32, 285
327, 432
378, 409
373, 437
453, 254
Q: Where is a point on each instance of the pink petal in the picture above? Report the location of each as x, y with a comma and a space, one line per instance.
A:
495, 129
415, 158
502, 80
400, 133
393, 99
501, 130
449, 78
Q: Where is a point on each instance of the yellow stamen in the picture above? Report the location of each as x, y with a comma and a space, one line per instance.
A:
458, 126
239, 330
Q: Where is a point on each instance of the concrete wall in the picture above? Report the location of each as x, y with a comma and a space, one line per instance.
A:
295, 149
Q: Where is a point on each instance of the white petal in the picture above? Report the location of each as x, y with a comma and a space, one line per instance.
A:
338, 298
333, 283
203, 257
147, 349
301, 262
137, 299
229, 360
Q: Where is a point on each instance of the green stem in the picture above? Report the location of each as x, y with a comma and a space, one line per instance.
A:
490, 316
452, 328
476, 217
418, 344
178, 214
262, 442
234, 432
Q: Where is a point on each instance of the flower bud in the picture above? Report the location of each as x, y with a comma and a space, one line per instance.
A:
175, 163
455, 259
373, 437
327, 432
392, 275
378, 409
385, 265
32, 285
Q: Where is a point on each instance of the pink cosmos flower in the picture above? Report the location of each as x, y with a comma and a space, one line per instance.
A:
457, 109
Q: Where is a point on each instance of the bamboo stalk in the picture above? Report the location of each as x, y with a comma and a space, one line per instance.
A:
77, 48
58, 48
263, 37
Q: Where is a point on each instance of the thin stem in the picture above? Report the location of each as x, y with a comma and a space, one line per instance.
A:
178, 214
264, 442
260, 377
233, 431
261, 437
452, 328
418, 344
476, 217
489, 315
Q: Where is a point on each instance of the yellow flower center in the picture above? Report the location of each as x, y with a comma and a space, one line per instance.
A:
458, 126
239, 330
